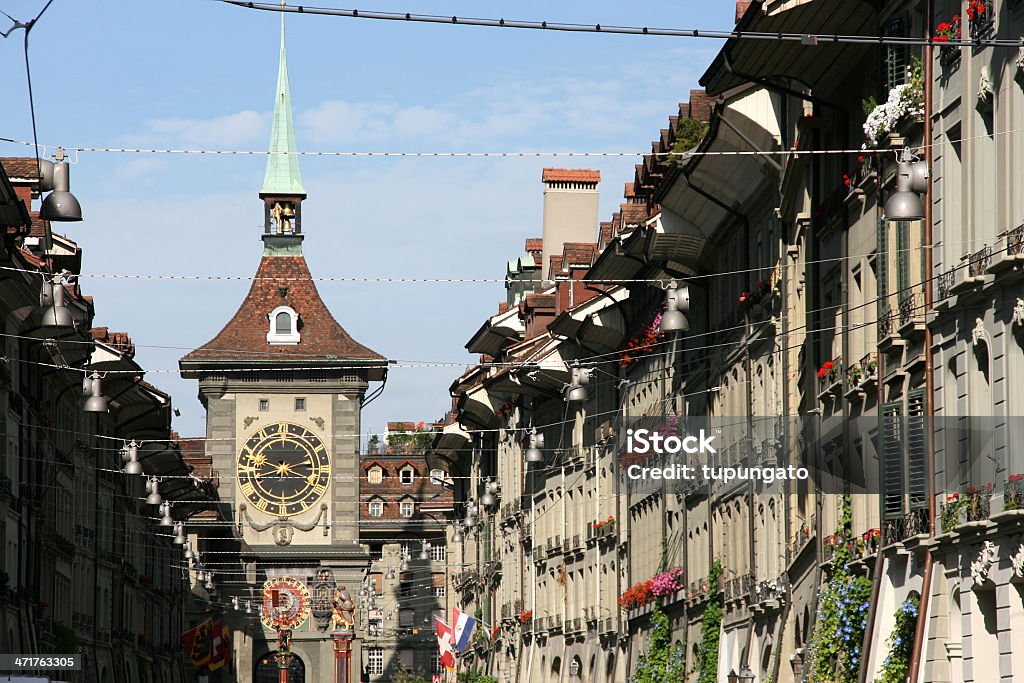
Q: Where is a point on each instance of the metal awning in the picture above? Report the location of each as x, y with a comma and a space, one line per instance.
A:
816, 66
496, 332
597, 324
707, 191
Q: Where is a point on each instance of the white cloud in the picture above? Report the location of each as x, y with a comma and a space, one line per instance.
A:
244, 128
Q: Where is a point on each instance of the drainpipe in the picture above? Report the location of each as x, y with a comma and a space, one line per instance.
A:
929, 372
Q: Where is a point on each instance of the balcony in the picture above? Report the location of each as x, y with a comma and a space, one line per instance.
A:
1010, 255
899, 529
862, 376
982, 23
912, 314
978, 262
946, 282
830, 379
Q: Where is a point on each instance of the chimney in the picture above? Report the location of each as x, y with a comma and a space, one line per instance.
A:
741, 8
570, 209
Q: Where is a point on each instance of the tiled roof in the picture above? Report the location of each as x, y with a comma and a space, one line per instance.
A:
555, 265
605, 234
20, 167
540, 300
578, 253
118, 340
633, 214
282, 280
534, 244
570, 175
38, 228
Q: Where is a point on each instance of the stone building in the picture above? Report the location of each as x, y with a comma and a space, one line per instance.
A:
86, 569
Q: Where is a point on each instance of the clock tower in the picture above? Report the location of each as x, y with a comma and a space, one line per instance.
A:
283, 385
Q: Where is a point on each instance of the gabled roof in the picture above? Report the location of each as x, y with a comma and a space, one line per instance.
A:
570, 175
282, 280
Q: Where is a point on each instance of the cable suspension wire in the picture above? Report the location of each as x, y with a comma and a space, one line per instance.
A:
682, 156
808, 39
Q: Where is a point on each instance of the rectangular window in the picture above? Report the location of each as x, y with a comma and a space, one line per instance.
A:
377, 583
405, 589
897, 57
376, 551
375, 476
408, 508
440, 591
408, 658
406, 618
406, 476
437, 477
375, 661
438, 552
435, 663
264, 405
376, 508
300, 405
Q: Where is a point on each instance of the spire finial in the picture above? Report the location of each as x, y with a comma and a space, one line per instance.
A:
282, 175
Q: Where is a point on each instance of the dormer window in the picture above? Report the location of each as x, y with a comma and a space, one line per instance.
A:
284, 326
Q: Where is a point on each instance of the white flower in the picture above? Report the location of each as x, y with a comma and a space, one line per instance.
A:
904, 100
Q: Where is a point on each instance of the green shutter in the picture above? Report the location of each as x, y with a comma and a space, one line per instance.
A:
891, 449
882, 267
917, 449
897, 57
903, 260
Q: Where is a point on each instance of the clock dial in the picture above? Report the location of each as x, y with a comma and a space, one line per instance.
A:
283, 469
292, 603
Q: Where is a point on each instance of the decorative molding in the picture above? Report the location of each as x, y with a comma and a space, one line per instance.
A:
318, 421
284, 528
1017, 561
985, 88
981, 568
248, 421
1018, 313
978, 333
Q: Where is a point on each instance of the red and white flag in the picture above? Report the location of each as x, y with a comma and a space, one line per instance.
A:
445, 643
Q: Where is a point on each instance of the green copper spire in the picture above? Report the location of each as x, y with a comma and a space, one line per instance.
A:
283, 164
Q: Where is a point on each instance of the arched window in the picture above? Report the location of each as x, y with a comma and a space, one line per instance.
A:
284, 326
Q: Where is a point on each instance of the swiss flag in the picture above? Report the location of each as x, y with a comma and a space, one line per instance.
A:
445, 643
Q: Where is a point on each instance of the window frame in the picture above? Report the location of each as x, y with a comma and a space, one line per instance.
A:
409, 505
375, 505
290, 338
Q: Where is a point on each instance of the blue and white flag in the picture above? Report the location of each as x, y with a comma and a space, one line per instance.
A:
463, 625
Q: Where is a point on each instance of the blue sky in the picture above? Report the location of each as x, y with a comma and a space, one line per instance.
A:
183, 73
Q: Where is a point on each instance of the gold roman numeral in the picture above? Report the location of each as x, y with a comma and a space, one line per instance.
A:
261, 505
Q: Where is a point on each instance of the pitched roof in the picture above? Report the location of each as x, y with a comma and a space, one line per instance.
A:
534, 244
282, 280
20, 168
578, 254
570, 175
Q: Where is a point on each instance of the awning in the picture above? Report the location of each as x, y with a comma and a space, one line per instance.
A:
597, 325
496, 332
817, 66
707, 191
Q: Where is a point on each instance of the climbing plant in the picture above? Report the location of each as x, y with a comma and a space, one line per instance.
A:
663, 662
897, 663
843, 604
710, 630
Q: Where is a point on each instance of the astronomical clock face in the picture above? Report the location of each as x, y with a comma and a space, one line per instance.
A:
292, 603
283, 469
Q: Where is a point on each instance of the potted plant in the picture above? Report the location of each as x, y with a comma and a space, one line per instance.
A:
1013, 496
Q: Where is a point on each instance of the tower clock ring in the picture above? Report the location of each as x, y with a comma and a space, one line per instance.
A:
283, 469
292, 608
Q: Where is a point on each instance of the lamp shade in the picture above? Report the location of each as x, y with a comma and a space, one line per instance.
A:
674, 321
45, 175
55, 313
575, 394
96, 403
904, 206
487, 500
458, 536
61, 205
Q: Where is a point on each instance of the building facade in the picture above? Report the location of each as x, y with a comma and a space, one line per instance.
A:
86, 570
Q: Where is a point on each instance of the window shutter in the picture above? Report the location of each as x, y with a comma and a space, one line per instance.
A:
917, 450
883, 266
903, 260
897, 57
891, 448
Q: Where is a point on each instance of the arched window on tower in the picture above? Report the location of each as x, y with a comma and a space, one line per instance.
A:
284, 326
